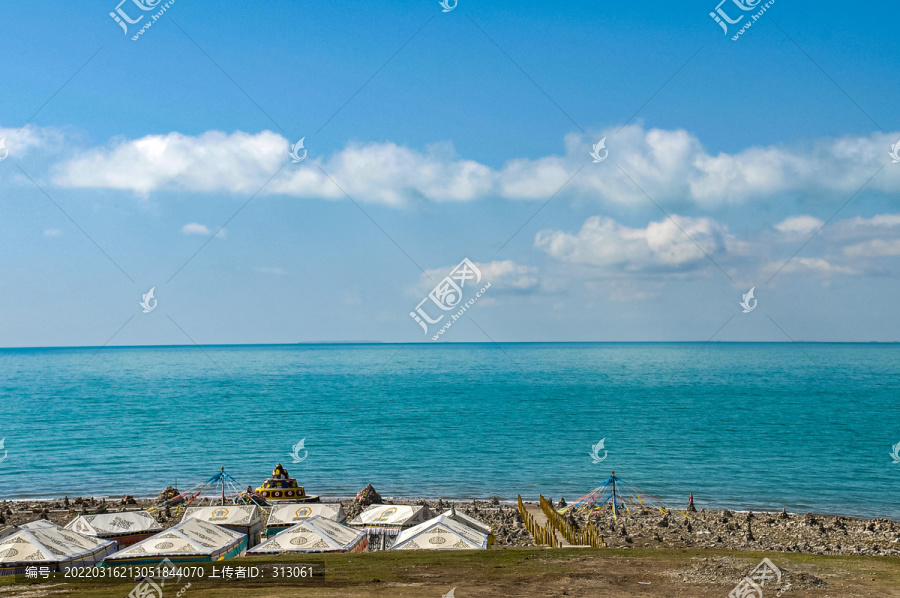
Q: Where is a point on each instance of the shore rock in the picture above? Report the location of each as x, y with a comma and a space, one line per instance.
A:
641, 527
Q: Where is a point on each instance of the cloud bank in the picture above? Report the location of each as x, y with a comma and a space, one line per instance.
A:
681, 244
672, 166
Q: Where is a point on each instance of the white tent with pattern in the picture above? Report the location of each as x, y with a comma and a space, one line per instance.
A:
284, 516
390, 520
444, 532
37, 524
50, 546
126, 528
190, 541
315, 534
470, 522
243, 519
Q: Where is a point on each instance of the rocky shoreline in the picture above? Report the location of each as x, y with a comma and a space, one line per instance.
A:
718, 529
727, 530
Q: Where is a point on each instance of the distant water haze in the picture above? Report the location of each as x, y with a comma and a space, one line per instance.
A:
745, 426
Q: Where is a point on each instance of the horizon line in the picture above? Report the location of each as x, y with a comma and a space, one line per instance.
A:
427, 343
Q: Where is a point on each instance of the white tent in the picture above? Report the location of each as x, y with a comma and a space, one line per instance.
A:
50, 546
444, 532
37, 524
189, 541
315, 534
471, 522
126, 528
243, 519
390, 520
284, 516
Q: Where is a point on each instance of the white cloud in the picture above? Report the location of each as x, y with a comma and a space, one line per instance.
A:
881, 220
213, 161
503, 275
389, 174
815, 265
21, 142
672, 166
194, 228
507, 274
874, 248
878, 236
52, 232
661, 245
864, 227
661, 248
799, 225
240, 163
32, 148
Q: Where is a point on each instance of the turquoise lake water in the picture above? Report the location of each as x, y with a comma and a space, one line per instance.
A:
754, 426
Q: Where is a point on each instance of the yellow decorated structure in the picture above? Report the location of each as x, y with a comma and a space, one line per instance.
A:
282, 487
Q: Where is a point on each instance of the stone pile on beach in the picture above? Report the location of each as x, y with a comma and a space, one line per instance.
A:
366, 497
723, 529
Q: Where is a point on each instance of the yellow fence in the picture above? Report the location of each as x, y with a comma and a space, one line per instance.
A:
588, 536
543, 535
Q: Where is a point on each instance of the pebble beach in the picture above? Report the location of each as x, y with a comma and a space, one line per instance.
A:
714, 529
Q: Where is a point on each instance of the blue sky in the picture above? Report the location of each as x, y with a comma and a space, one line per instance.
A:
449, 131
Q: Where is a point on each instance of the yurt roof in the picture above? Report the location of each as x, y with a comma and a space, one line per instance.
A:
236, 515
316, 534
441, 533
467, 521
108, 524
391, 517
289, 514
49, 545
188, 538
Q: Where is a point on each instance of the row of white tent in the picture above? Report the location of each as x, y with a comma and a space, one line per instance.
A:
217, 533
42, 544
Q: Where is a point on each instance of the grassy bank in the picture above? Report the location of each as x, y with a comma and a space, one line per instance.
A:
524, 572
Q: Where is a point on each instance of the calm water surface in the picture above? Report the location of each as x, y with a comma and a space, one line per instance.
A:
746, 426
